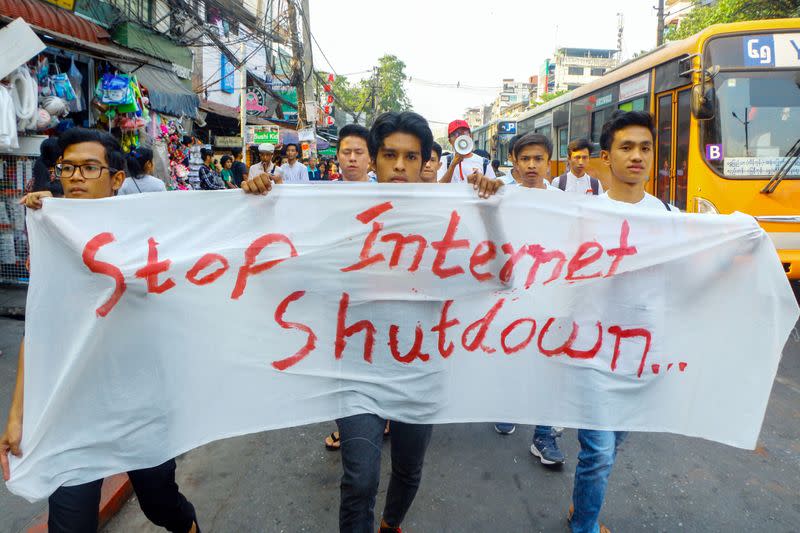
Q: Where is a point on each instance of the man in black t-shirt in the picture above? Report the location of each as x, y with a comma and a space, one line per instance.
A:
239, 169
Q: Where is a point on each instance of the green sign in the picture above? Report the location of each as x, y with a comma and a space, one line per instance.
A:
264, 134
328, 152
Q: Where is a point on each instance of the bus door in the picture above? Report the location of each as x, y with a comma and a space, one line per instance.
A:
673, 113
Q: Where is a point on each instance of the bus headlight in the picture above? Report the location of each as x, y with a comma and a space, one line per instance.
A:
701, 205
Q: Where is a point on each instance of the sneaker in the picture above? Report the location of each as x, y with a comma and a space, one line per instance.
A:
546, 449
385, 529
504, 428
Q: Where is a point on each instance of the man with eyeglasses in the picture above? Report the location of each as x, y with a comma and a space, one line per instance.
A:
93, 166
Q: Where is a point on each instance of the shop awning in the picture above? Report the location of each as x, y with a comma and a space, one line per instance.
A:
167, 93
53, 18
139, 38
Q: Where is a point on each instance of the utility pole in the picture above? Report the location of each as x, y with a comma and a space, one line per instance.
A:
375, 87
302, 67
243, 100
660, 27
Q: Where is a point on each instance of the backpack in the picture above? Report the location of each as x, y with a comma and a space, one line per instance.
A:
562, 183
449, 159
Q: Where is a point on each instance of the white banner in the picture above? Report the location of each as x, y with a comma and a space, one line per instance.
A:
158, 323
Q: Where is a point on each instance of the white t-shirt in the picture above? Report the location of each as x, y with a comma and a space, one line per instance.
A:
547, 185
297, 173
465, 168
258, 169
648, 202
142, 184
582, 185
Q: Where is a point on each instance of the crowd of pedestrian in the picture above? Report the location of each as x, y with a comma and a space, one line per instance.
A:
399, 148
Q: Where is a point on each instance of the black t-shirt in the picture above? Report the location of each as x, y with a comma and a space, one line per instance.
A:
238, 171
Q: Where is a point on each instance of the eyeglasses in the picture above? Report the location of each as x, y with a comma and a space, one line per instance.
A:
90, 171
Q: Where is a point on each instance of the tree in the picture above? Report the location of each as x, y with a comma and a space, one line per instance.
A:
724, 11
546, 97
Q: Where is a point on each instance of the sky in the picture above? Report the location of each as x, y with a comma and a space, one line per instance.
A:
476, 43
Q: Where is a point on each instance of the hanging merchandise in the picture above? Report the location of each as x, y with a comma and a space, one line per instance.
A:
57, 107
25, 95
76, 79
62, 86
8, 121
113, 89
44, 121
43, 70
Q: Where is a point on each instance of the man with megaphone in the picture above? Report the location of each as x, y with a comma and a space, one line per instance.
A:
458, 167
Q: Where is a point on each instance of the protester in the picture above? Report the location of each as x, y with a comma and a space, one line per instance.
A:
209, 179
44, 178
226, 162
399, 144
530, 155
265, 165
353, 153
324, 170
140, 174
93, 167
626, 144
457, 167
293, 171
430, 171
239, 168
496, 167
576, 179
313, 169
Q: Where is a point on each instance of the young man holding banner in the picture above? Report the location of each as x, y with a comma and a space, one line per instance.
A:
93, 166
627, 143
399, 146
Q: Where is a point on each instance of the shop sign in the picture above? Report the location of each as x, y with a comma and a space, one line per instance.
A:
263, 134
221, 141
66, 4
255, 101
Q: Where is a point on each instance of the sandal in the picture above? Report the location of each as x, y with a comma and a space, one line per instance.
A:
332, 442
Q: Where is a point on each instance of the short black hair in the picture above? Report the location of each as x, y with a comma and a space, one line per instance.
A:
436, 147
402, 122
577, 145
205, 153
115, 158
236, 152
137, 159
533, 139
296, 147
495, 164
224, 159
623, 119
187, 139
353, 130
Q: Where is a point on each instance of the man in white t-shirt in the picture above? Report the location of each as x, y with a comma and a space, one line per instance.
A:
293, 171
576, 180
265, 166
626, 146
457, 167
530, 154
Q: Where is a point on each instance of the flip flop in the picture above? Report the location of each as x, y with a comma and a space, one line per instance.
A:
332, 442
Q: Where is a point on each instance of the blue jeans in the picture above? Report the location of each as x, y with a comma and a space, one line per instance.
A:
595, 460
361, 441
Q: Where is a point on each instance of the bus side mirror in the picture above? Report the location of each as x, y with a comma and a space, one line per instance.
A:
703, 101
704, 96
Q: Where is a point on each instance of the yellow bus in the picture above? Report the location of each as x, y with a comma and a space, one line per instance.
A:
726, 103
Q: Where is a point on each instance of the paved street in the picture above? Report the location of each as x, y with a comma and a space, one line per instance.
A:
476, 480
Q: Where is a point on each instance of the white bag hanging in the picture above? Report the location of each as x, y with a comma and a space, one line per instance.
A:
24, 94
8, 121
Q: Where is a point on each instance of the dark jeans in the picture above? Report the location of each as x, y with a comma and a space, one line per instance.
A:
362, 438
74, 509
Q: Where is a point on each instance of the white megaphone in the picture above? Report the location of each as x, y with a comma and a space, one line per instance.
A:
463, 145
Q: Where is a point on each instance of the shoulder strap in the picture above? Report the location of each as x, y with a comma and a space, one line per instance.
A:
485, 165
562, 182
449, 159
665, 204
595, 186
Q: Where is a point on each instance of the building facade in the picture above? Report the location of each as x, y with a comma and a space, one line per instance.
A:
572, 67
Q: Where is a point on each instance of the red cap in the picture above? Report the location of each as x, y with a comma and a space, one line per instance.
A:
457, 125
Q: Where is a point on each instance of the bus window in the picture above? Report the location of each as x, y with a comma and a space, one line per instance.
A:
756, 123
640, 104
562, 143
598, 119
682, 148
664, 153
